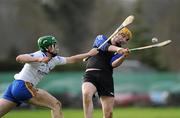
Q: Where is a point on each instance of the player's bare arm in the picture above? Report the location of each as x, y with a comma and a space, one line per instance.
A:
119, 61
113, 48
25, 58
79, 57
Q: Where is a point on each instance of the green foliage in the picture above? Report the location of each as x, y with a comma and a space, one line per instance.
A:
79, 21
71, 18
142, 36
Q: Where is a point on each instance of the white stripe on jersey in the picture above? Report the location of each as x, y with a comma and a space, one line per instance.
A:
34, 72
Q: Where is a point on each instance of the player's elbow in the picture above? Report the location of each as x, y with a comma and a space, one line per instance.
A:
19, 58
115, 64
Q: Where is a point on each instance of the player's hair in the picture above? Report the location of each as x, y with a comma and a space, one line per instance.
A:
127, 32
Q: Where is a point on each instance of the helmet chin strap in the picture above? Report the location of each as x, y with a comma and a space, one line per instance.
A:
118, 44
54, 53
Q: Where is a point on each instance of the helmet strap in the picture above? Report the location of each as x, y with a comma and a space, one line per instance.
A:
53, 54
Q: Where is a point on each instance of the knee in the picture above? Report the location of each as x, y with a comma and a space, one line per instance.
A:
108, 114
87, 97
56, 105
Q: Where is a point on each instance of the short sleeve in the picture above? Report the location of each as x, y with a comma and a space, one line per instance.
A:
116, 56
100, 39
59, 60
37, 54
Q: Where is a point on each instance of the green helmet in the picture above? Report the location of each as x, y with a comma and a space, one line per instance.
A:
45, 41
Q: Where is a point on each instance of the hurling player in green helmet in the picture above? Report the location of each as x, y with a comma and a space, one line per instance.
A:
36, 66
45, 41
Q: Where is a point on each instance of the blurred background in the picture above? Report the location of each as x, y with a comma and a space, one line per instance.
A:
148, 78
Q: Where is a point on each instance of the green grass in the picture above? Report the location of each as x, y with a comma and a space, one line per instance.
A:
118, 113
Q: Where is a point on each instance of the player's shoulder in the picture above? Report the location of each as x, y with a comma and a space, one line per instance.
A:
101, 37
58, 57
38, 54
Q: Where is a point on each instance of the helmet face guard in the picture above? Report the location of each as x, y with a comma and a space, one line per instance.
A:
55, 48
45, 41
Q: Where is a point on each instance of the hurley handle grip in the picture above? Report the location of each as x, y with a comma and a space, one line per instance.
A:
85, 59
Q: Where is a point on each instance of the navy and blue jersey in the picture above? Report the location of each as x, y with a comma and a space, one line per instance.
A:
103, 60
100, 39
18, 91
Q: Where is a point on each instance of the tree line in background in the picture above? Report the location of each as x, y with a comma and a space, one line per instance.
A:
77, 22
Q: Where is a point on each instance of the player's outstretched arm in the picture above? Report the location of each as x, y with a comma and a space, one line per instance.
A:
25, 58
80, 57
119, 61
113, 48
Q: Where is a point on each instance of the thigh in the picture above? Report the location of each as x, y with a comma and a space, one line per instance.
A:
89, 85
88, 88
107, 103
105, 85
6, 106
44, 99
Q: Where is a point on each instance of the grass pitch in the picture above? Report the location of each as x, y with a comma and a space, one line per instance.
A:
118, 113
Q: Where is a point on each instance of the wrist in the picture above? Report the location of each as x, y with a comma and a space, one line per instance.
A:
124, 56
88, 54
37, 60
119, 50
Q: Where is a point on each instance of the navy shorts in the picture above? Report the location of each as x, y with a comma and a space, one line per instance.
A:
102, 80
18, 91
